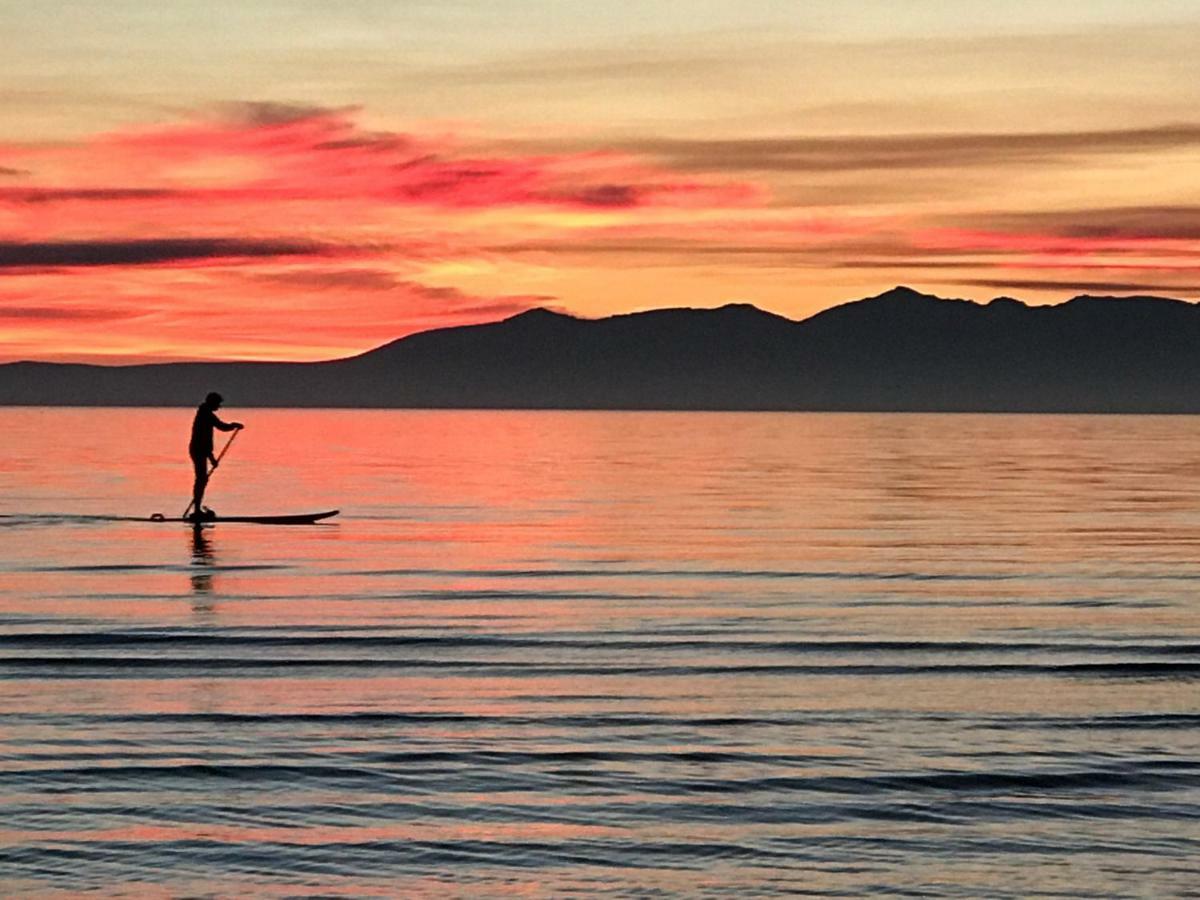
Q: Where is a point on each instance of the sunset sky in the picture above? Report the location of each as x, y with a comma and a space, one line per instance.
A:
280, 179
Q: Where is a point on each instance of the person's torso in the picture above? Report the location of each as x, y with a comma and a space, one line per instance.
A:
202, 431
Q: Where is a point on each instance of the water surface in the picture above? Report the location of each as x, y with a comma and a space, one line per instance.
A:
605, 654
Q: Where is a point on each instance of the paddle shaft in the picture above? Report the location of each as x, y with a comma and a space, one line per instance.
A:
220, 456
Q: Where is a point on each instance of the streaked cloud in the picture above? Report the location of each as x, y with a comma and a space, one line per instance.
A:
68, 254
334, 279
64, 313
1070, 286
1114, 223
848, 153
90, 195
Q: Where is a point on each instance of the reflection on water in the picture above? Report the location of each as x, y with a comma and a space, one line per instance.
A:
202, 561
611, 653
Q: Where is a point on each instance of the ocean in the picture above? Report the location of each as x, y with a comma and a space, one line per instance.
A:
613, 654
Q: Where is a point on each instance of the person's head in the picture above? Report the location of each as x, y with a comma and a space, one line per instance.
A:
214, 400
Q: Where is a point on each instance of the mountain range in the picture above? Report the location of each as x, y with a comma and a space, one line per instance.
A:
900, 350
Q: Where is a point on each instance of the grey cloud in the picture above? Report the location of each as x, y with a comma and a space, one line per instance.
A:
1131, 222
906, 151
902, 263
267, 113
64, 313
446, 299
504, 307
18, 255
1084, 286
52, 195
353, 279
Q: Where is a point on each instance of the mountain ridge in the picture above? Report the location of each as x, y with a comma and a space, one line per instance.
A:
899, 350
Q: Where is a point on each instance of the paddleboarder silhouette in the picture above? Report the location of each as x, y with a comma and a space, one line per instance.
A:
200, 449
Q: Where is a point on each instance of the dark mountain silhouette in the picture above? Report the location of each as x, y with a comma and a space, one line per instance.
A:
901, 350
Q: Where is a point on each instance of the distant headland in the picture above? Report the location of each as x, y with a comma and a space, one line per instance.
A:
899, 351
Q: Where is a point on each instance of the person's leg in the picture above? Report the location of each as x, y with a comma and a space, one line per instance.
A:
201, 466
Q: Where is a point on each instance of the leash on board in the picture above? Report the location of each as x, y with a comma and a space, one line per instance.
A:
220, 456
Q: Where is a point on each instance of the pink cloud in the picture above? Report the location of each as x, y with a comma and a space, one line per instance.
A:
271, 153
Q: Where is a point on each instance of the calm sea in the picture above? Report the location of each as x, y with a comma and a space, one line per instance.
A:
612, 654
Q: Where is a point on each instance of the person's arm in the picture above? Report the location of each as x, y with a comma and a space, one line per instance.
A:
223, 426
227, 426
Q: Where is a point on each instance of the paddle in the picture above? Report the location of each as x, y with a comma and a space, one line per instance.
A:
220, 456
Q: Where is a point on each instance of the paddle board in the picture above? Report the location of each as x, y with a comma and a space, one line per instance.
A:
298, 519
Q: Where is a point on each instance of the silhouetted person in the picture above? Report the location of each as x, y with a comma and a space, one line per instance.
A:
200, 449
